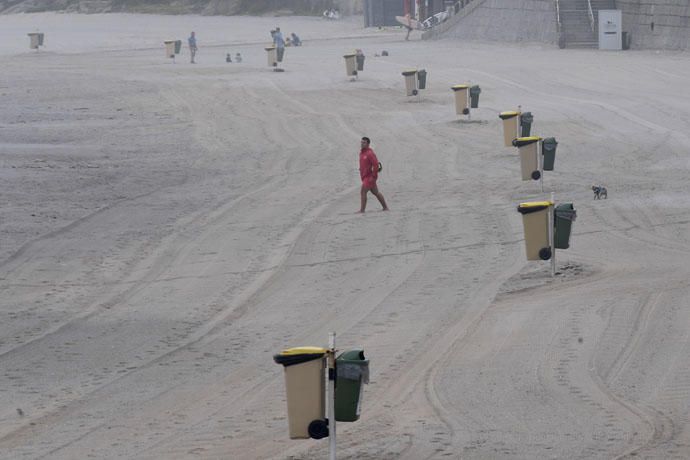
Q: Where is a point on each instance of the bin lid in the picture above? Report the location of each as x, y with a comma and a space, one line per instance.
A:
459, 87
299, 355
566, 211
169, 41
269, 48
409, 72
522, 141
507, 115
350, 55
351, 355
533, 206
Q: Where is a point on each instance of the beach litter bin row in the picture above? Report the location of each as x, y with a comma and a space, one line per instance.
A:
535, 222
410, 82
352, 371
35, 40
172, 48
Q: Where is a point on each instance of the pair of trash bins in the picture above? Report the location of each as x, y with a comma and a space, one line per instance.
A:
354, 62
305, 386
415, 80
35, 40
172, 48
530, 150
515, 125
535, 221
461, 98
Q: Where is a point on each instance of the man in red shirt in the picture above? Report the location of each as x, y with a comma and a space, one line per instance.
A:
369, 172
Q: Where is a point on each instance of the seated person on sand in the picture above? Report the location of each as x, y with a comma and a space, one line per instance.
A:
295, 40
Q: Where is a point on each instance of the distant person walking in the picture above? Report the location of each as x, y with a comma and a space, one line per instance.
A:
279, 43
192, 46
369, 173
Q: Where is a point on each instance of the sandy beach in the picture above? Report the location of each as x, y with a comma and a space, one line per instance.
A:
167, 227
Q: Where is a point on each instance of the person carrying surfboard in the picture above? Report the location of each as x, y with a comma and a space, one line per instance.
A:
369, 173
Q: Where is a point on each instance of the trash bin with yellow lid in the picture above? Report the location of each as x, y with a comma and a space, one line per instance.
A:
510, 126
410, 82
305, 388
461, 107
535, 221
529, 147
351, 64
169, 48
272, 56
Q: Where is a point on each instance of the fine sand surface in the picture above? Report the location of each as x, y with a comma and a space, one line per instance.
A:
166, 228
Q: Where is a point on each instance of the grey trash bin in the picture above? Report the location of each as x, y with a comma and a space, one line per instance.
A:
178, 46
360, 62
475, 91
526, 120
421, 79
548, 151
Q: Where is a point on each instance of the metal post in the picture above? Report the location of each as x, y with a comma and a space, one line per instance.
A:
552, 238
331, 394
519, 121
540, 162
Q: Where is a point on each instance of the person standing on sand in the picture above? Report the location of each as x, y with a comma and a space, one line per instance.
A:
369, 173
279, 43
192, 46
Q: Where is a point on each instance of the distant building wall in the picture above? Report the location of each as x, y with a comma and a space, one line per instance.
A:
502, 20
671, 20
382, 12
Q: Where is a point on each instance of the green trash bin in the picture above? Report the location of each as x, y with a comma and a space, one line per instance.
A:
421, 79
526, 120
564, 216
475, 91
352, 370
548, 150
178, 46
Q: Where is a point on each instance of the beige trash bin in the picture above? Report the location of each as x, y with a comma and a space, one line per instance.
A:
535, 221
305, 387
410, 82
528, 147
461, 106
35, 40
169, 48
511, 124
272, 56
351, 64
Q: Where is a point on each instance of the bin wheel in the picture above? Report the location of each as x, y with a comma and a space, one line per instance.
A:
465, 111
544, 254
414, 92
536, 175
354, 73
318, 429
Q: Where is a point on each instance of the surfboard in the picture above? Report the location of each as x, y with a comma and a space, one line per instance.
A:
409, 22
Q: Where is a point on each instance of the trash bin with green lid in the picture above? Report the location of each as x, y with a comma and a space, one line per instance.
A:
410, 82
421, 79
565, 214
272, 56
526, 120
510, 126
475, 91
528, 147
169, 48
350, 64
548, 151
535, 221
460, 91
352, 370
305, 388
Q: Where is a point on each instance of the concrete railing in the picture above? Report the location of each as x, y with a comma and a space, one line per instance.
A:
462, 8
591, 14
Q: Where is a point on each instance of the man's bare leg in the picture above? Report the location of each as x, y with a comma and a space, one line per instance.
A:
380, 197
363, 199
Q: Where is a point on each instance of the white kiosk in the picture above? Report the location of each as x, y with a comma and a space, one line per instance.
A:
611, 30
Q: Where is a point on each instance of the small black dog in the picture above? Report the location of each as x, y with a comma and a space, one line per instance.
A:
600, 192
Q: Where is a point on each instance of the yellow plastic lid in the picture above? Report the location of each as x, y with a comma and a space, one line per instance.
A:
457, 87
509, 114
527, 139
303, 351
409, 71
535, 204
270, 48
350, 55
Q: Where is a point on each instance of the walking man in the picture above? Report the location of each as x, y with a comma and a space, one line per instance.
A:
369, 172
279, 43
192, 46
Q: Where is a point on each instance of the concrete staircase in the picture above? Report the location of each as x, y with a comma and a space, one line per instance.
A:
575, 24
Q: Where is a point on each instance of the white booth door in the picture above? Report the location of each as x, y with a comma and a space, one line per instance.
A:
610, 30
